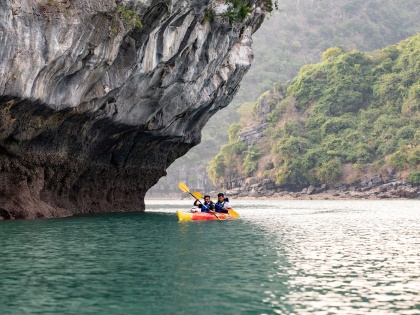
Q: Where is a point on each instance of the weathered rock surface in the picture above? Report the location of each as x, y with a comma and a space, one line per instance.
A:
373, 188
93, 110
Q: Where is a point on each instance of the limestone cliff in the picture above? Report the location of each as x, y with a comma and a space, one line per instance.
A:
93, 108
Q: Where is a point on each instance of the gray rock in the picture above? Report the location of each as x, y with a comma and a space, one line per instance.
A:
93, 110
269, 193
383, 196
253, 193
253, 133
233, 192
310, 190
407, 192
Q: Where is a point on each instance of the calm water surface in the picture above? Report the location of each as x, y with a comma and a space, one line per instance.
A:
280, 257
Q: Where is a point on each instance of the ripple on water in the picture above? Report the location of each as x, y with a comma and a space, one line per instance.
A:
280, 257
347, 262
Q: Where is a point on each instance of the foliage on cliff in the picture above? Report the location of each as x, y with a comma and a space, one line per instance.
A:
238, 10
352, 114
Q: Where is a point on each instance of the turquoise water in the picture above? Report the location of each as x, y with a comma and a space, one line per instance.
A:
280, 257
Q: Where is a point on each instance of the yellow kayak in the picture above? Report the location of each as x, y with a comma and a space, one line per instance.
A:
197, 216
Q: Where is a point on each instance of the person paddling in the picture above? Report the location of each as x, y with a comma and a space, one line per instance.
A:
222, 205
207, 206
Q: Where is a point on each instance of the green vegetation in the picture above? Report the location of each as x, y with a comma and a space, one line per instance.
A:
129, 17
353, 111
225, 163
414, 178
302, 30
250, 161
238, 10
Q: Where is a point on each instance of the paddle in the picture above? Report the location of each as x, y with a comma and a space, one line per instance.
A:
233, 213
185, 188
197, 195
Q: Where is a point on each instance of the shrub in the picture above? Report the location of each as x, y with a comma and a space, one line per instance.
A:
406, 132
414, 178
388, 90
292, 173
417, 138
216, 168
307, 86
129, 17
332, 52
250, 162
291, 147
273, 116
329, 171
237, 11
398, 160
314, 157
335, 125
414, 158
386, 147
235, 147
293, 128
412, 103
233, 131
365, 153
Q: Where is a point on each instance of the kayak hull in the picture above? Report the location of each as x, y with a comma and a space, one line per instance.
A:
202, 216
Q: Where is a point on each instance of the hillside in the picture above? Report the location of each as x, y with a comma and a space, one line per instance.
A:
352, 116
304, 29
290, 38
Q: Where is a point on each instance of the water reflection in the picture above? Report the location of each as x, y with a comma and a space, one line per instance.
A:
343, 261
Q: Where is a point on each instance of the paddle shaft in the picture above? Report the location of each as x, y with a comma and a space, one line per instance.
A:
205, 206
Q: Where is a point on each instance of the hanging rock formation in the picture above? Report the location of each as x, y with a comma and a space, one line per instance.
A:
93, 108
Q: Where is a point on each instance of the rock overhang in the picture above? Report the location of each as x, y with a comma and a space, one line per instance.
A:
93, 110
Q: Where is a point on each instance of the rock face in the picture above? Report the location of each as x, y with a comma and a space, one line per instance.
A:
94, 109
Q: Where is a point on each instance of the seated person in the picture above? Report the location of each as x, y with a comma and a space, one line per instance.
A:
207, 206
222, 205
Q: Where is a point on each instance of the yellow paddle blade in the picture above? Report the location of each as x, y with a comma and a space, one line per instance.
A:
197, 195
183, 187
233, 213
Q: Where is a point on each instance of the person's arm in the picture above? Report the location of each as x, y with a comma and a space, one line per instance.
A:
196, 203
200, 206
226, 206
